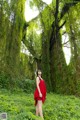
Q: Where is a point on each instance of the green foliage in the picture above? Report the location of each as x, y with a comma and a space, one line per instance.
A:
61, 108
33, 39
7, 82
27, 85
20, 106
13, 84
26, 66
17, 106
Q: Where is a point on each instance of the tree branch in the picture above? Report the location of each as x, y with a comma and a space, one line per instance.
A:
67, 46
65, 43
64, 33
62, 25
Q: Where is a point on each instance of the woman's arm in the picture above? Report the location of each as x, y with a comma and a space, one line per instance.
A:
37, 84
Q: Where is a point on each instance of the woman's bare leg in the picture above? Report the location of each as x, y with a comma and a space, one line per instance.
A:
37, 110
40, 108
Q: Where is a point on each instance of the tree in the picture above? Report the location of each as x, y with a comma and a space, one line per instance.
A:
52, 42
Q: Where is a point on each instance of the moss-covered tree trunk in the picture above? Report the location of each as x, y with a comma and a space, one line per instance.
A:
57, 60
58, 68
14, 37
46, 62
75, 84
4, 26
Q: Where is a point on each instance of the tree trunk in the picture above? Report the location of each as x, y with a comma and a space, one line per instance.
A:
57, 60
46, 62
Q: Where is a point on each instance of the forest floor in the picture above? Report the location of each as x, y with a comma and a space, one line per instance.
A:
20, 106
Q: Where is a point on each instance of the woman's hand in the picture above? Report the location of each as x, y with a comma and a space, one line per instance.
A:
40, 95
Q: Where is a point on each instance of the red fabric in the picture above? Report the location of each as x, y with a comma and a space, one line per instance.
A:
42, 86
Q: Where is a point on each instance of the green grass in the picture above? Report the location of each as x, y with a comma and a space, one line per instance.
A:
20, 106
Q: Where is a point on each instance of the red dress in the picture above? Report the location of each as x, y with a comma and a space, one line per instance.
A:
42, 87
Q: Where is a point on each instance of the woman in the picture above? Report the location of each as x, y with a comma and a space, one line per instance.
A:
39, 94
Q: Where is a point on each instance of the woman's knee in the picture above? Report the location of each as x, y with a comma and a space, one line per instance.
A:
40, 105
39, 102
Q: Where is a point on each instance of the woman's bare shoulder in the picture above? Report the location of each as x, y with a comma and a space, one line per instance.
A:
37, 78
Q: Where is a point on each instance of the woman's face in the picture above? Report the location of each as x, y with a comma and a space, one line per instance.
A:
39, 73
